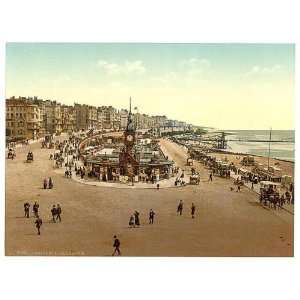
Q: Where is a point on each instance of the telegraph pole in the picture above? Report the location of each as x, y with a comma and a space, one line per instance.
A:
269, 148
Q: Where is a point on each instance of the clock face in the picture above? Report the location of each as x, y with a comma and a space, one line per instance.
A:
129, 138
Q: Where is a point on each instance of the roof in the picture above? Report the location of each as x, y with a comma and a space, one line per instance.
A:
269, 183
107, 151
110, 161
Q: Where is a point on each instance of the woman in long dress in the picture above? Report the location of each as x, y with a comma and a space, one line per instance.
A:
131, 221
50, 183
136, 218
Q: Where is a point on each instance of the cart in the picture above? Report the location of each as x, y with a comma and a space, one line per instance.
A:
11, 154
29, 157
189, 162
194, 179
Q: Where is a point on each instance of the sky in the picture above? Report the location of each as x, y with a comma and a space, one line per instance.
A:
226, 86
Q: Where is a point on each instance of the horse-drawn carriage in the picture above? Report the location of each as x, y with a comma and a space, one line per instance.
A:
189, 161
269, 193
195, 179
29, 157
48, 141
11, 154
221, 168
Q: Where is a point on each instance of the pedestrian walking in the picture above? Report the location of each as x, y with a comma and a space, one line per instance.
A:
38, 223
193, 209
131, 221
281, 201
180, 208
116, 245
157, 186
54, 213
45, 183
58, 212
26, 209
50, 183
36, 209
210, 177
238, 188
136, 218
151, 216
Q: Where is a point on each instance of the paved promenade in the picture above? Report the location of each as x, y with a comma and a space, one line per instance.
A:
226, 224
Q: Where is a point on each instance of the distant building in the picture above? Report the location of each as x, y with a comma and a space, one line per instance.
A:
143, 121
23, 119
123, 118
32, 117
53, 117
110, 118
81, 112
159, 121
68, 116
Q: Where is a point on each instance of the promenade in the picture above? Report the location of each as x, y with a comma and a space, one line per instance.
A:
226, 224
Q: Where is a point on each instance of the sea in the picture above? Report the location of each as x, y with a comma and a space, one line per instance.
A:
281, 150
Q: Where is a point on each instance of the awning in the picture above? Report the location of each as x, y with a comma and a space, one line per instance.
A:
269, 183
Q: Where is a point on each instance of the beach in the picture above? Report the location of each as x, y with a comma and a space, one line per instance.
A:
287, 167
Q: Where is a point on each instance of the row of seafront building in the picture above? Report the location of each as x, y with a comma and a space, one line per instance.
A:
32, 118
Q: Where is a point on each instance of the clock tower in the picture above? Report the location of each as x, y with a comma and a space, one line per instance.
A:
129, 134
128, 162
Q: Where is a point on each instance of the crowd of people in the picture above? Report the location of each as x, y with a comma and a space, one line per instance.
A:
274, 199
134, 220
56, 212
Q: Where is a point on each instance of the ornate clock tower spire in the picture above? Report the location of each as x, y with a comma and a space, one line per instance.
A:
129, 134
127, 157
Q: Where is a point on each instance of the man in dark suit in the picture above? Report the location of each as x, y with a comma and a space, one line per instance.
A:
116, 245
38, 223
54, 213
26, 209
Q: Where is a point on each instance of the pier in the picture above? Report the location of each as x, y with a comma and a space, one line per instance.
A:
260, 141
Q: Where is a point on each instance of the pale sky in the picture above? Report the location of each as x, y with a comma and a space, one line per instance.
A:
227, 86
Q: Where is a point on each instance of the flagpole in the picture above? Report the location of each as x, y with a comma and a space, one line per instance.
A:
269, 148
